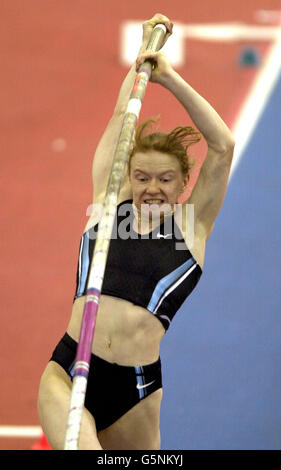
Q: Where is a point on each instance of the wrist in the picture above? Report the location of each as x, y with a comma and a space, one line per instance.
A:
167, 77
144, 45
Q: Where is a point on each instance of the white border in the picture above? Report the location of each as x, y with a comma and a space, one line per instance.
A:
246, 122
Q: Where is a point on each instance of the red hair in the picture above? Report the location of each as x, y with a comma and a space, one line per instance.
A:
176, 143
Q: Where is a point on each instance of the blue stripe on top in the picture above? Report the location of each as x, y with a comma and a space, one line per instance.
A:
83, 264
166, 282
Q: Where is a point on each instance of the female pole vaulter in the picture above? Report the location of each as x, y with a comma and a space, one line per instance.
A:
147, 278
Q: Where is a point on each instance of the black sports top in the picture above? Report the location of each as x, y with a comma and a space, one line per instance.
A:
155, 271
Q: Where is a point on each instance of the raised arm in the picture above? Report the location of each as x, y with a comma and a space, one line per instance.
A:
104, 153
209, 191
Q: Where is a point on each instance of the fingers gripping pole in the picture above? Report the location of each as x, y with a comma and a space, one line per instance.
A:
94, 286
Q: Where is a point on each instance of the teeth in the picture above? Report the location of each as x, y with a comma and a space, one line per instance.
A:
153, 201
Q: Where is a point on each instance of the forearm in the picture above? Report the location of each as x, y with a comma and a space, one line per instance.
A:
206, 119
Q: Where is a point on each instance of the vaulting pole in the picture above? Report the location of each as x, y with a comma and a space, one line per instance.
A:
95, 281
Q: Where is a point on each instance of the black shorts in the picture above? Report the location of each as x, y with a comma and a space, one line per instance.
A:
112, 389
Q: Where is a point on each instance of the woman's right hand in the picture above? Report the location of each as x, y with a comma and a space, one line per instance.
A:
161, 67
148, 26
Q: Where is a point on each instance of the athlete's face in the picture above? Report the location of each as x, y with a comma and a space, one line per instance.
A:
157, 181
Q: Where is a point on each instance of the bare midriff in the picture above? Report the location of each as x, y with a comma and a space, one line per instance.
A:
124, 333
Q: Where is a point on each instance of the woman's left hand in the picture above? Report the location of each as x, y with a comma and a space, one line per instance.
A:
161, 67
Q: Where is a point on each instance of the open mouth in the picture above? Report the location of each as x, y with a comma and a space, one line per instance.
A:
154, 201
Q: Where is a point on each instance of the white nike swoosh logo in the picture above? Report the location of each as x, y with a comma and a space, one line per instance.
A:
159, 235
139, 387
